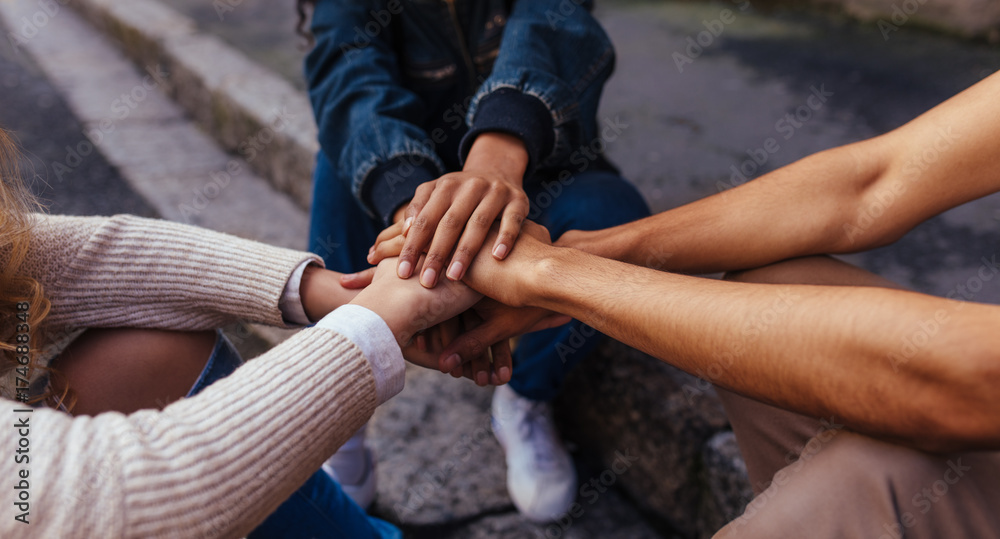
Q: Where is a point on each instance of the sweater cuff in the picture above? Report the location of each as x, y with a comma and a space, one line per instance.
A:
510, 111
392, 184
367, 330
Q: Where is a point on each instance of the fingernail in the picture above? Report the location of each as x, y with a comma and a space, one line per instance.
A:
451, 362
428, 278
349, 276
406, 224
370, 255
504, 373
500, 251
481, 378
404, 269
455, 271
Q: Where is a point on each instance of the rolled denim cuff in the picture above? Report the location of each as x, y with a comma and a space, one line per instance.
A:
392, 184
524, 116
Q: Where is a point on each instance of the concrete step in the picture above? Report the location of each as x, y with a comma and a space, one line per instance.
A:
128, 117
250, 110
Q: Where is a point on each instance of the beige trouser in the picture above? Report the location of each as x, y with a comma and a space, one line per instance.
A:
828, 482
813, 478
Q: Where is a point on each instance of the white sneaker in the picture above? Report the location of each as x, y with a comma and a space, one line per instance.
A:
541, 478
353, 467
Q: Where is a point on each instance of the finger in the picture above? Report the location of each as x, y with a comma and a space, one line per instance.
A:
420, 198
448, 231
419, 235
476, 229
480, 364
449, 331
357, 280
386, 249
390, 233
503, 363
510, 227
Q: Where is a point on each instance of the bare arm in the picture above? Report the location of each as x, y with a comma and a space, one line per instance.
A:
847, 199
819, 350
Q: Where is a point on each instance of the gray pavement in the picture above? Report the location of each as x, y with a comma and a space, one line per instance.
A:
59, 163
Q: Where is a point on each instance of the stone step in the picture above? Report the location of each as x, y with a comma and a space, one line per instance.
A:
248, 109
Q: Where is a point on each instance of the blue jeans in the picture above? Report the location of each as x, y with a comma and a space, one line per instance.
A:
319, 508
341, 232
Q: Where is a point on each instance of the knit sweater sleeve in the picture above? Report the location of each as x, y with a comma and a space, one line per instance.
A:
127, 271
214, 465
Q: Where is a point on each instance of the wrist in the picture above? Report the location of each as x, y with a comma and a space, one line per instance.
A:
498, 154
321, 292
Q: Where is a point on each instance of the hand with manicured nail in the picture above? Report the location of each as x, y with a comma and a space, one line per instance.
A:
449, 218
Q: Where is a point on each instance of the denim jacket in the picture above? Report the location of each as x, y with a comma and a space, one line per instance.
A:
401, 88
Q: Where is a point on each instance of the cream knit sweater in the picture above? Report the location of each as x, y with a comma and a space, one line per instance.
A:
211, 466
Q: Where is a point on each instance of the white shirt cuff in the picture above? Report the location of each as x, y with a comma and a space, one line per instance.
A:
373, 336
291, 300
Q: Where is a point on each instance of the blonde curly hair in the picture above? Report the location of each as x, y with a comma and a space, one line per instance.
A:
16, 221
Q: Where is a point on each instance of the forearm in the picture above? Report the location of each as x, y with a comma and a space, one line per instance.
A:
137, 272
794, 211
888, 363
847, 199
154, 474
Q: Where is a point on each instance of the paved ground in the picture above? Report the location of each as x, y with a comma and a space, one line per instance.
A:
53, 140
687, 128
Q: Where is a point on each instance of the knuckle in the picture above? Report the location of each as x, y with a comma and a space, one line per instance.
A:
423, 190
480, 220
450, 222
475, 347
516, 218
420, 223
434, 258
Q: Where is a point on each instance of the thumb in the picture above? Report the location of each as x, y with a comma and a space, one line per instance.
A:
358, 280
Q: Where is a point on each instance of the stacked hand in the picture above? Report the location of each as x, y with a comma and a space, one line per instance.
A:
502, 317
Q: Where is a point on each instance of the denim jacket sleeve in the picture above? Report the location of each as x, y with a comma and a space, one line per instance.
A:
547, 80
368, 122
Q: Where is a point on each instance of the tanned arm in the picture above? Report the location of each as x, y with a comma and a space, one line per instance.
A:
844, 200
819, 350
